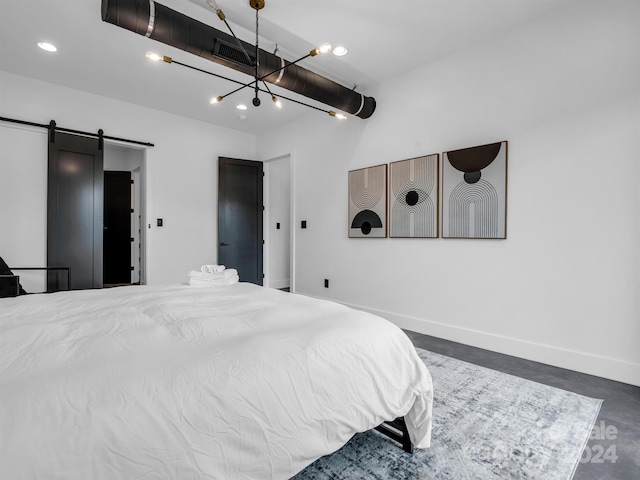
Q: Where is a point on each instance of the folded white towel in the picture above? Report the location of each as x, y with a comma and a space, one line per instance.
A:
220, 282
212, 268
229, 273
201, 275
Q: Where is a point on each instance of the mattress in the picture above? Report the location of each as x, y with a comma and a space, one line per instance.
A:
177, 382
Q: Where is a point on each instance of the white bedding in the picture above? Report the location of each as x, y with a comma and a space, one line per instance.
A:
238, 382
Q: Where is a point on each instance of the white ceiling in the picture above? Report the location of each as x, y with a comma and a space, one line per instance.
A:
384, 38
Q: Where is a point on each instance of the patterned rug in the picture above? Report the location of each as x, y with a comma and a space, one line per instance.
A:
487, 426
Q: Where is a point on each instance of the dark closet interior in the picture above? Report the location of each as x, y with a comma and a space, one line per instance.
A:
117, 228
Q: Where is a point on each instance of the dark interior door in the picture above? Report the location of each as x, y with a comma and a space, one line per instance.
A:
75, 211
117, 227
240, 209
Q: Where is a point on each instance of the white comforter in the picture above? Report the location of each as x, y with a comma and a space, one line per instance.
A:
185, 383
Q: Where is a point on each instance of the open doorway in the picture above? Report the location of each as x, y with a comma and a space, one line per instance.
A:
124, 216
279, 230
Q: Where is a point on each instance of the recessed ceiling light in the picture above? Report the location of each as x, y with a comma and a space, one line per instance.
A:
47, 46
241, 106
340, 51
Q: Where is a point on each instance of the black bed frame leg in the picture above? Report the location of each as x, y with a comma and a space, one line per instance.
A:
397, 430
407, 444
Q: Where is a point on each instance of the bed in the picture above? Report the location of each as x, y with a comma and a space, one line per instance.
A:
178, 382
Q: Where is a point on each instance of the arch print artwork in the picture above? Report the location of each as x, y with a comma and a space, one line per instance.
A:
413, 197
474, 192
368, 202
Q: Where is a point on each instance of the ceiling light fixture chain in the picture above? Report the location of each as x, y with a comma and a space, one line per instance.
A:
257, 6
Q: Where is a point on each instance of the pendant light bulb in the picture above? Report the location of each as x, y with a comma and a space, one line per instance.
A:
215, 100
277, 102
217, 9
154, 57
324, 48
339, 116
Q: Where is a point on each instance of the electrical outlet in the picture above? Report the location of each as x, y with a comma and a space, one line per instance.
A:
326, 283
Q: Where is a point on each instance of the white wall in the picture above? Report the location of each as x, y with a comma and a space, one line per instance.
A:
120, 158
23, 214
181, 173
564, 287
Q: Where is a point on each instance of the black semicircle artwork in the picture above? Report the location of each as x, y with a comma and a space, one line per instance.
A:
365, 220
474, 159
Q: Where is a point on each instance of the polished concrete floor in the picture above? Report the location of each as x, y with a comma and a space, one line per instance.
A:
613, 452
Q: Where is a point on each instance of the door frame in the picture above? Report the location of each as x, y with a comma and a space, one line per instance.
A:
141, 200
292, 217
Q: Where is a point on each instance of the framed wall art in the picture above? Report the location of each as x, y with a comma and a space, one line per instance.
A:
368, 202
474, 192
413, 197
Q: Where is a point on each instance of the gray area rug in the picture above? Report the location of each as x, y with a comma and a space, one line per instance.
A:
487, 425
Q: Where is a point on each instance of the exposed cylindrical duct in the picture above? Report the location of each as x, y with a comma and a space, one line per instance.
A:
150, 19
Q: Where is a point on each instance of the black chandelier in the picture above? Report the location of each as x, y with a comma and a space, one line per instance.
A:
158, 22
258, 5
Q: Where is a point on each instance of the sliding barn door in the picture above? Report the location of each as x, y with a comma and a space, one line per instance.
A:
240, 206
75, 211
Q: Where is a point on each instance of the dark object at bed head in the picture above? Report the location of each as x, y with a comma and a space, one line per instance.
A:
5, 270
9, 286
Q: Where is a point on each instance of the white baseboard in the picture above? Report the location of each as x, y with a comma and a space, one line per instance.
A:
611, 368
